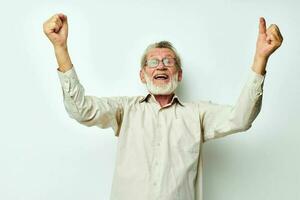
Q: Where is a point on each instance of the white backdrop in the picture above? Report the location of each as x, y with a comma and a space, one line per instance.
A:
45, 155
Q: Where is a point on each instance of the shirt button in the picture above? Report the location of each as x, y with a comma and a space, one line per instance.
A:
156, 163
158, 144
154, 184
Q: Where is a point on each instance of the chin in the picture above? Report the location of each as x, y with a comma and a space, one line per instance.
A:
161, 92
160, 82
164, 89
165, 84
161, 87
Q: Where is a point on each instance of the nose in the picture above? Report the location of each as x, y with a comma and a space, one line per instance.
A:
161, 65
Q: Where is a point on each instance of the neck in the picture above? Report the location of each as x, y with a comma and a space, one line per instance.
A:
164, 99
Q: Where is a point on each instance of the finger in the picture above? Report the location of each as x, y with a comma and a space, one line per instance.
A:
271, 38
278, 32
53, 23
61, 15
275, 40
63, 18
54, 27
59, 22
65, 23
56, 22
273, 31
262, 25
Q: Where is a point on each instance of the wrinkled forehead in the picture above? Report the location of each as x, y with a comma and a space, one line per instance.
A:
160, 52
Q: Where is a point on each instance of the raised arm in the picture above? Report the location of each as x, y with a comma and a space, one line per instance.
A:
268, 41
103, 112
56, 29
221, 120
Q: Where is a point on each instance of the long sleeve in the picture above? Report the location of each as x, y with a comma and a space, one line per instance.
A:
221, 120
103, 112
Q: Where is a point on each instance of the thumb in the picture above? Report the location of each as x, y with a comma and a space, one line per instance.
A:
64, 20
262, 25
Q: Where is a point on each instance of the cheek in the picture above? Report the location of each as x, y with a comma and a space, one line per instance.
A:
173, 72
149, 73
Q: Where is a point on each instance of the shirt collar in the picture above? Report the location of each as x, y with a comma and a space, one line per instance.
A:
151, 97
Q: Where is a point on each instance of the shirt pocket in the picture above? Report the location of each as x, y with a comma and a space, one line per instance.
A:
185, 135
185, 148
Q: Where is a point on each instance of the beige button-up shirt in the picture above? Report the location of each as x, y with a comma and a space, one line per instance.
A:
159, 148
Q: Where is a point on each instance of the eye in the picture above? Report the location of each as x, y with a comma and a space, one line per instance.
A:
168, 61
152, 62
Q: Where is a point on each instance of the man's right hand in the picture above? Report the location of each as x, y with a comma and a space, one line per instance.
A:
56, 29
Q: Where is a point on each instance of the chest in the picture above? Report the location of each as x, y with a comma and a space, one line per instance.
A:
174, 127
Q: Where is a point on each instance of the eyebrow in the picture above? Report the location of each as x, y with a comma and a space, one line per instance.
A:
166, 55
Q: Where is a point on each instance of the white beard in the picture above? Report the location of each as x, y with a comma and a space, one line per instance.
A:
165, 89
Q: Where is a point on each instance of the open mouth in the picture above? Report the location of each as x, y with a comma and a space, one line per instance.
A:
161, 77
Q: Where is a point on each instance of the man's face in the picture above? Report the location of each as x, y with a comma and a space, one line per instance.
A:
170, 76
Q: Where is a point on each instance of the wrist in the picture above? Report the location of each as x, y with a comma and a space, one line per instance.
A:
60, 48
261, 57
259, 64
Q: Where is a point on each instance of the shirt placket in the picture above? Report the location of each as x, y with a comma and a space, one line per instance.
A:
156, 183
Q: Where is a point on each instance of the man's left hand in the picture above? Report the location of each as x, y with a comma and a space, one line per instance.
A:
268, 39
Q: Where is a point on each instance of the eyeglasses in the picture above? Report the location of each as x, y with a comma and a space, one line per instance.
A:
154, 62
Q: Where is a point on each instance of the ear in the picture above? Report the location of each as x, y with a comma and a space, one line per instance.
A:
142, 76
179, 74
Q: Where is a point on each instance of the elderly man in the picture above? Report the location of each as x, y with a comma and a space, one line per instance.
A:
160, 137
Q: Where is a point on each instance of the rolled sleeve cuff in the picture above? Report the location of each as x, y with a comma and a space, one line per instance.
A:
256, 82
68, 78
257, 78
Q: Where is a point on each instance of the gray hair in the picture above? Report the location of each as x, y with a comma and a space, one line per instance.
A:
161, 44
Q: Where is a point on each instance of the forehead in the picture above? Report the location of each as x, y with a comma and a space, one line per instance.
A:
163, 52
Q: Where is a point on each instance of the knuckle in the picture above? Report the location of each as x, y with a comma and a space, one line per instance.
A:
278, 43
54, 18
52, 24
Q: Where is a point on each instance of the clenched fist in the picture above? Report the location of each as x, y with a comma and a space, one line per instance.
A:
268, 39
56, 29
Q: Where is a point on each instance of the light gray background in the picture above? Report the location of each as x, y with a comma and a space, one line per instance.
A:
45, 155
